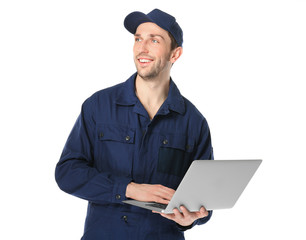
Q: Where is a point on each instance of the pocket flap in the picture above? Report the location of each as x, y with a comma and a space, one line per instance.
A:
116, 133
178, 141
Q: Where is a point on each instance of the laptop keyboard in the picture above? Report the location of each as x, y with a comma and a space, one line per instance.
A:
157, 205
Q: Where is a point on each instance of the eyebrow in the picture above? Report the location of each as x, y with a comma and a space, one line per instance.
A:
151, 35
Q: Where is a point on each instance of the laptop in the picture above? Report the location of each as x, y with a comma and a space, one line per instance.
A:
214, 184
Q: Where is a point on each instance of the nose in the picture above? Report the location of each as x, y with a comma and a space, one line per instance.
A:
143, 46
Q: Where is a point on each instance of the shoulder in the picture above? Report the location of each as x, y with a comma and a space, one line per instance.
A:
193, 112
109, 92
102, 99
119, 92
105, 96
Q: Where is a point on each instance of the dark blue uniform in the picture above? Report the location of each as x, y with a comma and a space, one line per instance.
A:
114, 142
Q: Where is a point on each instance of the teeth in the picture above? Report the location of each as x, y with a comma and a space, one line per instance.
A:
144, 60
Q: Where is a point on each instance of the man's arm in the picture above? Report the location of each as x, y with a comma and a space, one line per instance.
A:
75, 173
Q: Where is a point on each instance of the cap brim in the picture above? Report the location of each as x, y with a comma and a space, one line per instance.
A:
134, 19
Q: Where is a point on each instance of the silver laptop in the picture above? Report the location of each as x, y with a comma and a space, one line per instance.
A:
214, 184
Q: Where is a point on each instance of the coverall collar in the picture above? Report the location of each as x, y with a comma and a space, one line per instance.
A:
174, 102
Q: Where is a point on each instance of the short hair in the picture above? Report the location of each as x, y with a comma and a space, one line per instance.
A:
174, 44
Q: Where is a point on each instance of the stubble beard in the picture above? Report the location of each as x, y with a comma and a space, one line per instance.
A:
152, 73
148, 75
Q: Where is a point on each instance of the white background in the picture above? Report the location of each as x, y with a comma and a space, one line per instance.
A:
243, 66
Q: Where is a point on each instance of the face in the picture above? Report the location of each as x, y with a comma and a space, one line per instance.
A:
152, 54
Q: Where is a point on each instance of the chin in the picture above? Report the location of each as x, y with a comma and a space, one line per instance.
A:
147, 76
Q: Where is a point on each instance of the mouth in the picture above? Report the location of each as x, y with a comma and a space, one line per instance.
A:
144, 61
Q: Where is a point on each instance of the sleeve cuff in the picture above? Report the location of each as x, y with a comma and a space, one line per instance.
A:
119, 190
199, 221
185, 228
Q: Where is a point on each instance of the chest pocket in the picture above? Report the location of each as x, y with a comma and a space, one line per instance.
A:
175, 154
115, 148
116, 134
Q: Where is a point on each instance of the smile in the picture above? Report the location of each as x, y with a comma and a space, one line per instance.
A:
144, 60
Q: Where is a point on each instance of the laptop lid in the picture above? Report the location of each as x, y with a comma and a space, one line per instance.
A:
214, 184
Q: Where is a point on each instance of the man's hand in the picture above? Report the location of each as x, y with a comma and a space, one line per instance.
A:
149, 193
185, 218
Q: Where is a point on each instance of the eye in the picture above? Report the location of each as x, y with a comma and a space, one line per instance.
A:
137, 39
155, 41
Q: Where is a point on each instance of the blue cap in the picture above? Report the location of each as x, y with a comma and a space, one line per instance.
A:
162, 19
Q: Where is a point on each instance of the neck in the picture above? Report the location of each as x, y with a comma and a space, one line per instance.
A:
152, 93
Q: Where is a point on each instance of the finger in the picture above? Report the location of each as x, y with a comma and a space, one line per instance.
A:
202, 213
167, 190
189, 215
205, 212
164, 192
177, 214
184, 210
159, 200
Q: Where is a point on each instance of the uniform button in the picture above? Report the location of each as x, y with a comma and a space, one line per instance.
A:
127, 138
165, 142
125, 218
118, 197
101, 135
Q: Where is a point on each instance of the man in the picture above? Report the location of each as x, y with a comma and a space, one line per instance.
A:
136, 140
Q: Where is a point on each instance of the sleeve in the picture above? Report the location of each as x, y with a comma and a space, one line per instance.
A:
204, 151
75, 172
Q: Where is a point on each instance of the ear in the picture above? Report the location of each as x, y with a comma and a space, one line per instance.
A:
175, 55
